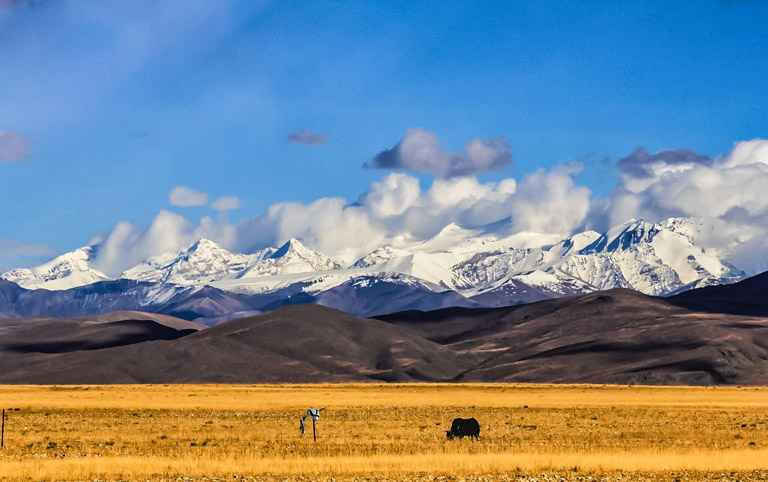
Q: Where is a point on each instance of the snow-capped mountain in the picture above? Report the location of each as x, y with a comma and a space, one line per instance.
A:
486, 266
379, 256
200, 263
291, 258
69, 270
207, 263
653, 258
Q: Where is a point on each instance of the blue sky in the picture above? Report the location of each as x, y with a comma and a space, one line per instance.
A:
120, 102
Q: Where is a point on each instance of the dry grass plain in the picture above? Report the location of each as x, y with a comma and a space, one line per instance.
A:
384, 432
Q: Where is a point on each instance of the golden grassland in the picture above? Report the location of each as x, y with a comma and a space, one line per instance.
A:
392, 432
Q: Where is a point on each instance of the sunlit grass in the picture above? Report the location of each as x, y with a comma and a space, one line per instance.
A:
141, 432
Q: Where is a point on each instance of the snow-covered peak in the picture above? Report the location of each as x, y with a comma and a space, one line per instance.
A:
451, 238
69, 270
204, 245
574, 244
291, 258
292, 247
378, 256
623, 237
688, 227
434, 268
203, 261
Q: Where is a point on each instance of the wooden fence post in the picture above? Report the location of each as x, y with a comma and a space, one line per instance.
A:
2, 432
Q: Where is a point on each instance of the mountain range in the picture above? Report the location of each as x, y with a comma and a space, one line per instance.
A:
479, 267
614, 336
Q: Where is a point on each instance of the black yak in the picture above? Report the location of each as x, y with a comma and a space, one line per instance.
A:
463, 427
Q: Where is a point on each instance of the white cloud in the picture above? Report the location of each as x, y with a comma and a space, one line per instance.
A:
420, 151
550, 202
394, 208
640, 169
14, 146
128, 244
734, 179
746, 153
226, 203
392, 195
724, 196
184, 196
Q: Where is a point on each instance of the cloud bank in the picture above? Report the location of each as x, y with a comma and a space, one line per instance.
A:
725, 198
420, 151
725, 195
640, 169
393, 208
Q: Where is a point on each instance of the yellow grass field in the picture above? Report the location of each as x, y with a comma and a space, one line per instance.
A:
383, 432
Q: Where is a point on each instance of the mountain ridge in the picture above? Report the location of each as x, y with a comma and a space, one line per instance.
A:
473, 267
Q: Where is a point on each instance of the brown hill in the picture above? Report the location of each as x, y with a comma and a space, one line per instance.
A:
54, 335
747, 297
617, 336
303, 343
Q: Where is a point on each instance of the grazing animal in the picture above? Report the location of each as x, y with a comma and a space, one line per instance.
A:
463, 427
